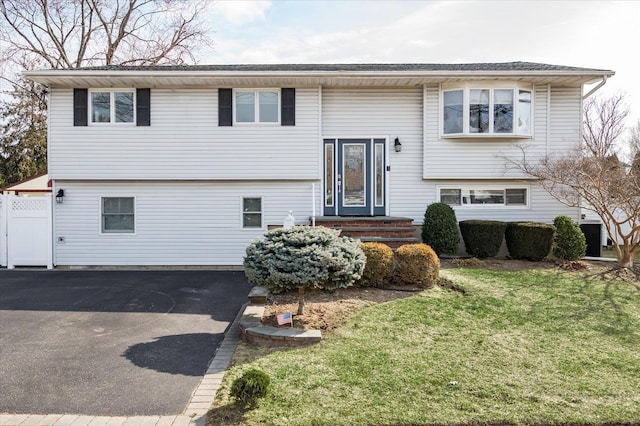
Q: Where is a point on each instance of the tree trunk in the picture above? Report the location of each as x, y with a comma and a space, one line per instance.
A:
625, 260
300, 300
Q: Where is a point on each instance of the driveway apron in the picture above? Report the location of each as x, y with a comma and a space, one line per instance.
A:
116, 343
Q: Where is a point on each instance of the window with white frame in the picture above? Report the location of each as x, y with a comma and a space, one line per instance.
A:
118, 215
257, 106
486, 109
252, 212
484, 196
112, 106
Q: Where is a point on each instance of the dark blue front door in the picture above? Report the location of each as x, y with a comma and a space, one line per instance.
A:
354, 177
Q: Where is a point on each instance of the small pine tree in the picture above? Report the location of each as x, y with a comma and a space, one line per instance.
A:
570, 242
440, 228
249, 387
304, 257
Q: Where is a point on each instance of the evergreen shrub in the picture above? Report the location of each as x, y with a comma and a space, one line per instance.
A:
440, 228
379, 266
482, 238
304, 257
570, 242
529, 240
416, 265
248, 388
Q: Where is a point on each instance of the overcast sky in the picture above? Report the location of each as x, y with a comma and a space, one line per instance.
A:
592, 34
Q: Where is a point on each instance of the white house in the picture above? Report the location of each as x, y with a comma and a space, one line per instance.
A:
185, 165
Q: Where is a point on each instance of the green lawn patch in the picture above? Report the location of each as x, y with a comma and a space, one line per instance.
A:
525, 347
610, 252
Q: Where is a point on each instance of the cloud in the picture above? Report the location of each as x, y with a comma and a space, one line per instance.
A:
584, 34
241, 12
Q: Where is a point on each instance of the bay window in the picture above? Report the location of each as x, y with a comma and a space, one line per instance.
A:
471, 109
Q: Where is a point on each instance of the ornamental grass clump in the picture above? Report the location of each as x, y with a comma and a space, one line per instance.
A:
440, 228
570, 242
417, 265
251, 386
304, 257
379, 266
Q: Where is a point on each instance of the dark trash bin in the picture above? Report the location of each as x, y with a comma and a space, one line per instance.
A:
593, 234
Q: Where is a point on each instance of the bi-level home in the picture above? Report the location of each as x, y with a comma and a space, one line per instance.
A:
185, 165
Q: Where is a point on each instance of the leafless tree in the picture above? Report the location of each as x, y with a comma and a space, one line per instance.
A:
78, 33
598, 175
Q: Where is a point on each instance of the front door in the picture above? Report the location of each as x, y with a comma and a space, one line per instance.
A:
354, 177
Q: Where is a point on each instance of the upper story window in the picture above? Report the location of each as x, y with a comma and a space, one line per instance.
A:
478, 109
112, 106
257, 106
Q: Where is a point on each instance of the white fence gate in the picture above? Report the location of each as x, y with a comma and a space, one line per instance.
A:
26, 235
3, 229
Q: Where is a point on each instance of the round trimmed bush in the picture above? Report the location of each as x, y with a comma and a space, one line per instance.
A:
529, 240
570, 242
417, 265
440, 228
248, 388
304, 256
482, 238
379, 266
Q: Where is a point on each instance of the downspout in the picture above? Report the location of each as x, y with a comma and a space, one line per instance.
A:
546, 145
592, 91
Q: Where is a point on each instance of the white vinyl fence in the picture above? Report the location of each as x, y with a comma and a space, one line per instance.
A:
25, 231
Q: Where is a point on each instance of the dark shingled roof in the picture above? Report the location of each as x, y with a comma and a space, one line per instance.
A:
500, 66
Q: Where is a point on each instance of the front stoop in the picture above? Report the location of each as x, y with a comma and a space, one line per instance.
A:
390, 230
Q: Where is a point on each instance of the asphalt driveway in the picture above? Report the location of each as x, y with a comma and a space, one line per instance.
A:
110, 342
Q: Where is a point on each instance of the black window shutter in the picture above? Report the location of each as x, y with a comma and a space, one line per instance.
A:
288, 107
143, 107
225, 109
80, 102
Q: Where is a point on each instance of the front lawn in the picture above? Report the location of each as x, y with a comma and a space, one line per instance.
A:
610, 252
519, 347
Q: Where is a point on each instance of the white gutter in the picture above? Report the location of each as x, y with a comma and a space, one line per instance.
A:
592, 91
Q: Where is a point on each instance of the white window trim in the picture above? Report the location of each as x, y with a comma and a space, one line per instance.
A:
487, 187
486, 85
256, 107
112, 106
135, 215
242, 212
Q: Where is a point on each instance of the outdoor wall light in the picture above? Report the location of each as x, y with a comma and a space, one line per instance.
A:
59, 196
397, 145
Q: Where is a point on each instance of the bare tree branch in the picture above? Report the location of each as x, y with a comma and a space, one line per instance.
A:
593, 177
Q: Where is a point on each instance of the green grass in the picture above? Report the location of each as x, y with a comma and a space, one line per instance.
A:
610, 252
528, 347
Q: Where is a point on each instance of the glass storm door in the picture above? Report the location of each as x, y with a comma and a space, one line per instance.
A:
354, 177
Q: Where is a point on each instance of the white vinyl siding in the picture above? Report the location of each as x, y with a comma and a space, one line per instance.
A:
484, 158
177, 223
184, 141
382, 112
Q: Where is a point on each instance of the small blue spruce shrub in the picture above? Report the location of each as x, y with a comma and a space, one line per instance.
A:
304, 257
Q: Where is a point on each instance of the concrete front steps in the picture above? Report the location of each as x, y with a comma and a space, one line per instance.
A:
390, 230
